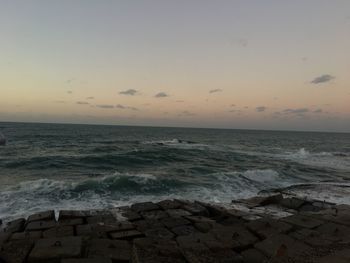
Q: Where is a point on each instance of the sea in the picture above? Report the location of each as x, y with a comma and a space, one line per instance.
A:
64, 166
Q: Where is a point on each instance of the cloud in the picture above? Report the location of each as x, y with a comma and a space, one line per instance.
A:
318, 111
90, 98
296, 111
59, 101
105, 106
180, 101
119, 106
130, 92
322, 79
68, 81
69, 92
215, 90
186, 113
233, 105
243, 42
161, 95
260, 108
82, 102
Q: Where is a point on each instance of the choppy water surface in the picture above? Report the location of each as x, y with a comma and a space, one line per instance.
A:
84, 166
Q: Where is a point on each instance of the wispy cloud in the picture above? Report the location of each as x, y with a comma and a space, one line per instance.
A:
215, 90
318, 111
186, 113
105, 106
69, 91
180, 101
322, 79
82, 102
261, 109
90, 98
120, 106
296, 111
161, 95
59, 101
130, 92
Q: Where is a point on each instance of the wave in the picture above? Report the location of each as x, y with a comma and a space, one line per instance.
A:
177, 143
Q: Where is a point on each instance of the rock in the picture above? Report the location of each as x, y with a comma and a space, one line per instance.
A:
40, 225
31, 235
342, 256
146, 206
109, 219
172, 222
46, 215
127, 234
116, 250
302, 221
87, 260
177, 212
292, 203
281, 246
266, 227
56, 248
71, 222
253, 255
196, 209
263, 200
59, 231
155, 214
160, 232
15, 225
169, 204
16, 251
148, 250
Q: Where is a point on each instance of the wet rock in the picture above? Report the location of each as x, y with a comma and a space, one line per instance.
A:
15, 226
292, 203
40, 225
184, 230
16, 251
116, 250
253, 255
342, 256
46, 215
148, 250
71, 222
146, 206
262, 200
59, 231
55, 249
87, 260
169, 204
196, 209
131, 215
302, 221
32, 235
172, 222
177, 212
266, 227
109, 219
281, 246
160, 232
155, 214
127, 234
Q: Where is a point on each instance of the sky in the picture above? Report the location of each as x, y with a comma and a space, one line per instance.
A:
272, 64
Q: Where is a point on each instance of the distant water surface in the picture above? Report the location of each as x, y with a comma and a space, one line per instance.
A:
56, 166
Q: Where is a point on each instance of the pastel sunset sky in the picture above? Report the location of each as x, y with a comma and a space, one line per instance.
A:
256, 64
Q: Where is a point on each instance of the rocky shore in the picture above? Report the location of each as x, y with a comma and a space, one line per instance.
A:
273, 228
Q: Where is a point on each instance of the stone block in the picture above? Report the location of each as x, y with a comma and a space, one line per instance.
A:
155, 214
127, 234
93, 230
237, 237
16, 251
281, 246
46, 215
160, 232
40, 225
177, 212
116, 250
266, 227
87, 260
32, 235
196, 209
169, 204
55, 249
148, 250
253, 255
71, 222
302, 221
292, 203
69, 214
313, 238
59, 231
172, 222
131, 215
184, 230
143, 225
101, 219
146, 206
14, 226
334, 231
263, 200
340, 256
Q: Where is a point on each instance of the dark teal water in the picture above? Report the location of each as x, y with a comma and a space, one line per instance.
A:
85, 166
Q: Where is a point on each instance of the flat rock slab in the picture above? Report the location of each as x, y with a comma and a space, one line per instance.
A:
14, 226
155, 214
146, 206
172, 222
40, 225
87, 260
160, 232
266, 227
46, 215
127, 234
177, 212
59, 231
56, 248
16, 251
169, 204
31, 235
281, 246
116, 250
302, 221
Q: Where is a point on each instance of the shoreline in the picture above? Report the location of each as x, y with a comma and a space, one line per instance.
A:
268, 228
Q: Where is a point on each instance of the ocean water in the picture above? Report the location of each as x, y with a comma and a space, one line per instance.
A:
56, 166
